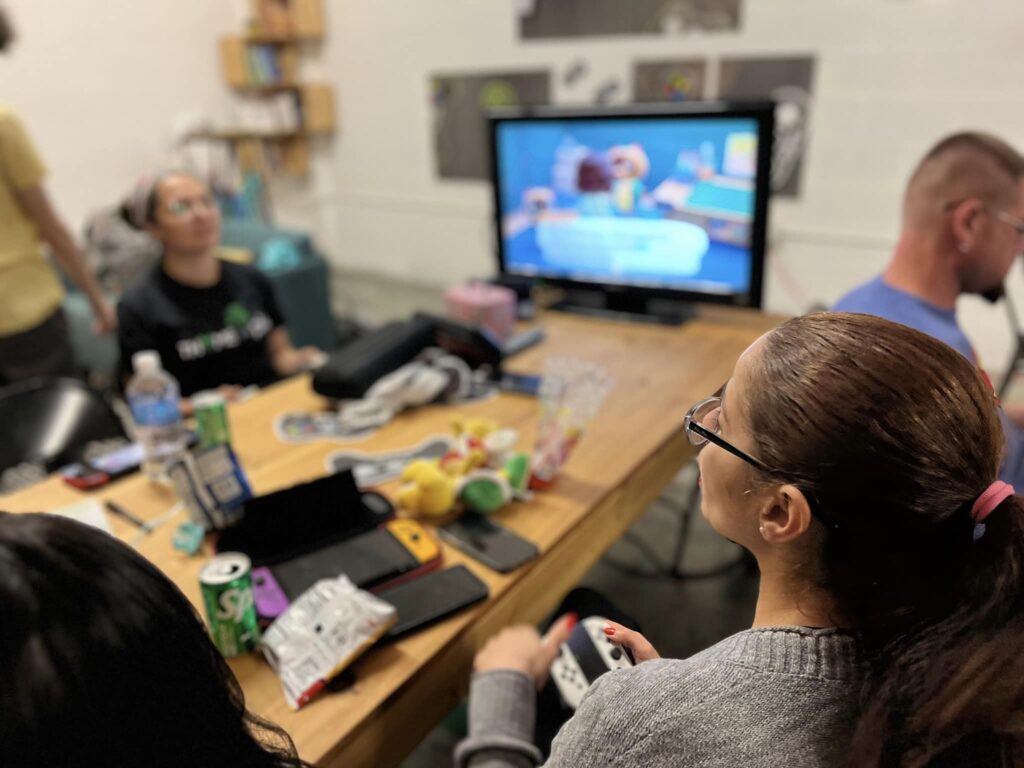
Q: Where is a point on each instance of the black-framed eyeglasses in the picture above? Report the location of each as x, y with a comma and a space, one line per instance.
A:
701, 423
702, 427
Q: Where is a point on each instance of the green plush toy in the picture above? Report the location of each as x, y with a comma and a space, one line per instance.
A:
485, 492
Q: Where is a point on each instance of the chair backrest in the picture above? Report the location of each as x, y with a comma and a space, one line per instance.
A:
51, 422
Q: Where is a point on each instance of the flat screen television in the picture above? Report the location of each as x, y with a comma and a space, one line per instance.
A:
643, 210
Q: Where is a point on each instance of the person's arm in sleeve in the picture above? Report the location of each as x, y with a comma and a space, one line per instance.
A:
36, 205
502, 710
24, 172
509, 670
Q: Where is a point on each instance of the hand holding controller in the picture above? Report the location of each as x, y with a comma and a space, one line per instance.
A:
587, 655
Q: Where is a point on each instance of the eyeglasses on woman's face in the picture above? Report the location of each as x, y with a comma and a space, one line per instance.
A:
181, 207
702, 427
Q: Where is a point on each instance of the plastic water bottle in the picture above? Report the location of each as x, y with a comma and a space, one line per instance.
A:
155, 402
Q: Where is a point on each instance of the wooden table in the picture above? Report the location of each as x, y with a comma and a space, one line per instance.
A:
632, 449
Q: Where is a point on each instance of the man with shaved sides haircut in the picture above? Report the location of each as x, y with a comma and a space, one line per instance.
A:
963, 225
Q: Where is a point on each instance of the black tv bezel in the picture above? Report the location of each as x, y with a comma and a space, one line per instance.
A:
763, 112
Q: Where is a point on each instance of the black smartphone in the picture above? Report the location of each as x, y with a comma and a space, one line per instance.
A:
432, 597
493, 545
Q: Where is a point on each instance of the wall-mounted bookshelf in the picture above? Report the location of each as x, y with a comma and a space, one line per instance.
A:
281, 114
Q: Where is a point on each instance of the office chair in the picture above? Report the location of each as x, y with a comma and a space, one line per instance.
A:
48, 423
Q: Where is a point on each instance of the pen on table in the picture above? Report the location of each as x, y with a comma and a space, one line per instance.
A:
124, 514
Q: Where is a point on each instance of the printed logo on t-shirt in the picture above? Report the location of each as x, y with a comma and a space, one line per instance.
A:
240, 325
236, 315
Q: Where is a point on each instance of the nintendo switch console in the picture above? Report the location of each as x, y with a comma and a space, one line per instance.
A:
586, 656
395, 552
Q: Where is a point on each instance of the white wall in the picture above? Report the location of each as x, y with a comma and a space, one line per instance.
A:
102, 84
892, 77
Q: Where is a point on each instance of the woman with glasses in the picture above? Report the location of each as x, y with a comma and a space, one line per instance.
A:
857, 460
214, 323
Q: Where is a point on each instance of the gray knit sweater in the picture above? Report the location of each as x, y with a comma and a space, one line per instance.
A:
764, 697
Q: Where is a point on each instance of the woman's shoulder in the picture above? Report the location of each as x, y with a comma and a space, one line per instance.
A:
712, 705
794, 652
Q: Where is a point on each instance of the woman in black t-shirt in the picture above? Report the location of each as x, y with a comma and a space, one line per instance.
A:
215, 324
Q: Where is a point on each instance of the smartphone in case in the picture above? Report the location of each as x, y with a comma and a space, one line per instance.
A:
493, 545
432, 597
83, 476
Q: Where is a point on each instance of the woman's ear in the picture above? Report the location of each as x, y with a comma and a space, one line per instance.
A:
785, 516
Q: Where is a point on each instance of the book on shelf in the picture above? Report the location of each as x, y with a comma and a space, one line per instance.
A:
263, 66
266, 115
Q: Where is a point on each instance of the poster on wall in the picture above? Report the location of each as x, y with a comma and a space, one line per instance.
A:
459, 105
789, 81
542, 19
669, 80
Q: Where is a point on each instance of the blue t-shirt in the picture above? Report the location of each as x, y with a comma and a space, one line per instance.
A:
877, 298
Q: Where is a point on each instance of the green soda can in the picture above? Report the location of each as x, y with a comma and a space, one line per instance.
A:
226, 582
212, 417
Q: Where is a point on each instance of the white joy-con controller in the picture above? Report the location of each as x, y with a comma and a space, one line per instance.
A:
587, 655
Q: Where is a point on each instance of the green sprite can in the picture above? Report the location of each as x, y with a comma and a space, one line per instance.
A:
226, 582
212, 418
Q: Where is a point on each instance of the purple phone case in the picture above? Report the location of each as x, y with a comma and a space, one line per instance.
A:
268, 596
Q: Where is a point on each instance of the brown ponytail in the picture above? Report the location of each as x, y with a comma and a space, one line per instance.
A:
894, 435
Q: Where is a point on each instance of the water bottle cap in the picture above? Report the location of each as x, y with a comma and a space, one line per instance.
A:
146, 361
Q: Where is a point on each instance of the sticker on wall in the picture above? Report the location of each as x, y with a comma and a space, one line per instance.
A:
606, 92
460, 128
789, 81
669, 80
575, 72
541, 19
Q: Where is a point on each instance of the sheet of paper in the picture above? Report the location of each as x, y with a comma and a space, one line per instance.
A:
89, 512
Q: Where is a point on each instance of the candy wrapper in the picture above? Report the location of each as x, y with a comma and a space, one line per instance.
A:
321, 634
571, 393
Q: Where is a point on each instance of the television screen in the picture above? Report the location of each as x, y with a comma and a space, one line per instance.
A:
660, 201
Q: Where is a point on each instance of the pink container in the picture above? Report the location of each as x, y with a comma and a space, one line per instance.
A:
489, 306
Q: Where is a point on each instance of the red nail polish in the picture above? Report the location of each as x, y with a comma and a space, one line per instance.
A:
609, 631
572, 619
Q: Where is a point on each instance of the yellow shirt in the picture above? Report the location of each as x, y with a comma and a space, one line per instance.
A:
29, 288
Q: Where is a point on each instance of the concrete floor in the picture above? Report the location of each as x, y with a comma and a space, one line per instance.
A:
679, 617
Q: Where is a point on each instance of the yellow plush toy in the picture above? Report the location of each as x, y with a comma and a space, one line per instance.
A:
427, 490
477, 428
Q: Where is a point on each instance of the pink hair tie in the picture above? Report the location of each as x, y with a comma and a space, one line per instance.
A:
992, 497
